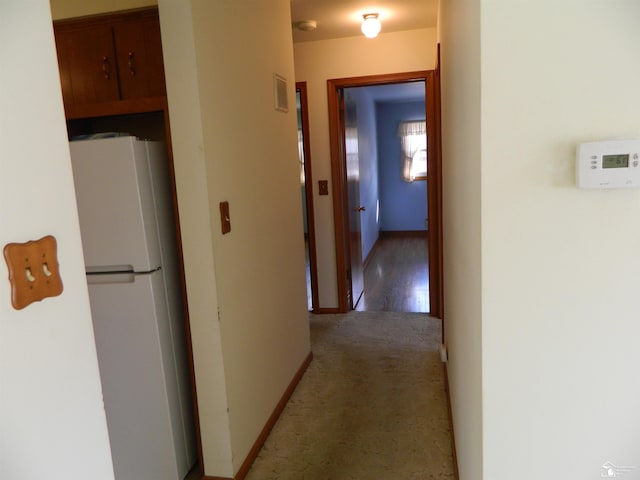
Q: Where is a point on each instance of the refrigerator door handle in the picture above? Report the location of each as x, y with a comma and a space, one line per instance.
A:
108, 269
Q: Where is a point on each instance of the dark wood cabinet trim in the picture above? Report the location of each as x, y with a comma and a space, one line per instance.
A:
117, 107
106, 18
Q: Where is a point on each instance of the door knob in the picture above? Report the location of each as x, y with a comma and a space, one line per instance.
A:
359, 209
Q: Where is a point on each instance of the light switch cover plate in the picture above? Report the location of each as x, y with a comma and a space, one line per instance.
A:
225, 220
34, 272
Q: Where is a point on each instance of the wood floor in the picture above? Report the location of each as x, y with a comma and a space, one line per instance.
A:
396, 278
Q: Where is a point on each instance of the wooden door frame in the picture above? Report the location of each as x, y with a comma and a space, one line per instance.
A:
437, 210
308, 181
434, 180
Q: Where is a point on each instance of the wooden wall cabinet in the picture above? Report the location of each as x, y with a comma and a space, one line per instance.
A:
111, 64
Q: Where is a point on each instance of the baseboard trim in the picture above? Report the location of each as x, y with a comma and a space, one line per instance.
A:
456, 473
404, 233
253, 453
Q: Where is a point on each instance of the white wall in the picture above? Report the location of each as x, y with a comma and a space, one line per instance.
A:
52, 422
230, 144
560, 310
557, 312
315, 63
459, 29
197, 230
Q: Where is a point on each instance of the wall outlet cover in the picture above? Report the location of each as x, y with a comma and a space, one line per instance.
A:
444, 354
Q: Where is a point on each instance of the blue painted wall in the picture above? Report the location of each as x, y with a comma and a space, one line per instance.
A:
403, 206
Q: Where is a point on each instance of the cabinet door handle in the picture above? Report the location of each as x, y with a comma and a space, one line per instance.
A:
132, 67
106, 67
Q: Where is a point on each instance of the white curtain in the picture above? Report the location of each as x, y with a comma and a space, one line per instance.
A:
413, 137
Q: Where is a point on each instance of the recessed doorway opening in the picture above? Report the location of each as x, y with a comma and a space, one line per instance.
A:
366, 228
306, 185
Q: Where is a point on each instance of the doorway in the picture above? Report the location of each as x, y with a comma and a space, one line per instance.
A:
306, 182
346, 209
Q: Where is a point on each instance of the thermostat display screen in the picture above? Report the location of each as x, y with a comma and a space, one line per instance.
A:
615, 161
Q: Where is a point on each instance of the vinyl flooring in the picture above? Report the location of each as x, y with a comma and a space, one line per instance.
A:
396, 278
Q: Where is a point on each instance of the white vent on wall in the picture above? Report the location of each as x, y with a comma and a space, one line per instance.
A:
280, 93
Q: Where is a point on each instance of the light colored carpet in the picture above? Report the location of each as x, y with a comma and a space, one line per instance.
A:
372, 404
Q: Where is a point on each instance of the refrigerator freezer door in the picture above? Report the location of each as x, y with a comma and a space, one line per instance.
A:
116, 204
138, 374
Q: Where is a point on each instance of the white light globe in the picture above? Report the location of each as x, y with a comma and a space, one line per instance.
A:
371, 25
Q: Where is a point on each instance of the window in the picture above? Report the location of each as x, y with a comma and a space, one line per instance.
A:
413, 139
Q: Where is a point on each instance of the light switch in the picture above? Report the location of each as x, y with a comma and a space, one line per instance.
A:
323, 187
34, 272
225, 220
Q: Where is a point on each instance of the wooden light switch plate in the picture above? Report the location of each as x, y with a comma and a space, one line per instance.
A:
225, 221
34, 273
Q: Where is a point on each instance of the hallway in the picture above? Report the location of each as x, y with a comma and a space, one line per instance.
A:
372, 404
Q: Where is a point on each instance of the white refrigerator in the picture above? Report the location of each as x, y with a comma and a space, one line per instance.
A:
128, 236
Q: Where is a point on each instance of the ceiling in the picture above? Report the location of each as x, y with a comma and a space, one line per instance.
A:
342, 18
397, 92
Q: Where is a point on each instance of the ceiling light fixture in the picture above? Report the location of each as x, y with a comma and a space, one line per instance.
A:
306, 25
371, 25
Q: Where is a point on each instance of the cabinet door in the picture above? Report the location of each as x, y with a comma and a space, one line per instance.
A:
87, 65
139, 54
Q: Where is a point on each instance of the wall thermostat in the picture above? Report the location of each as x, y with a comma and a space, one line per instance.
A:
608, 164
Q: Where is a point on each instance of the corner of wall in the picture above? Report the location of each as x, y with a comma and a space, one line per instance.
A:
183, 94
